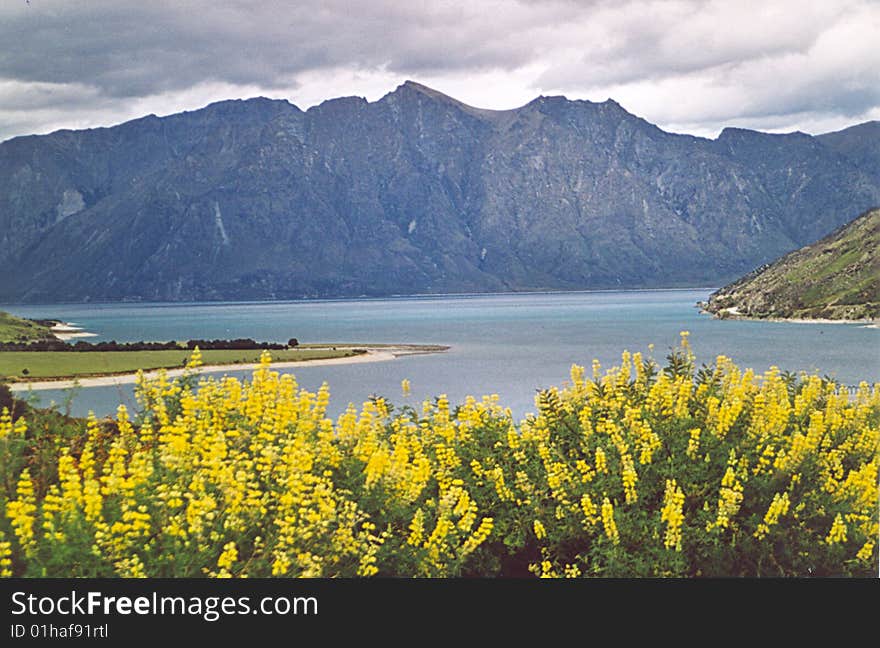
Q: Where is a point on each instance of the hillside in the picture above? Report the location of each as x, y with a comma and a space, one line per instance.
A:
835, 278
413, 193
16, 329
860, 143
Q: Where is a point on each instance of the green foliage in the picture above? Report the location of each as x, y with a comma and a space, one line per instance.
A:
642, 471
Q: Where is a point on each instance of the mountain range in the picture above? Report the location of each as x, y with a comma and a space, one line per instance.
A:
413, 193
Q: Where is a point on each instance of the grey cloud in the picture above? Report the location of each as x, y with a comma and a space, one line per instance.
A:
133, 48
63, 56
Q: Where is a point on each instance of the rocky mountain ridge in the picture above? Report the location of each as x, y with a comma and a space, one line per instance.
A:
413, 193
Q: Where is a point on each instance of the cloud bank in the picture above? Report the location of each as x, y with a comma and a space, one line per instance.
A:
687, 65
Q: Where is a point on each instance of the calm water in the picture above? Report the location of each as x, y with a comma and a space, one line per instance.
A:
505, 344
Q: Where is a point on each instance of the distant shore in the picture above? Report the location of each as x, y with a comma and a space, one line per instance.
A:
732, 313
376, 353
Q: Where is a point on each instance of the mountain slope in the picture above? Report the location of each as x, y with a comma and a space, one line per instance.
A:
835, 278
414, 193
860, 144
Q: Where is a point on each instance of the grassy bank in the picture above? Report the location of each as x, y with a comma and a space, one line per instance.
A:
32, 365
837, 278
16, 329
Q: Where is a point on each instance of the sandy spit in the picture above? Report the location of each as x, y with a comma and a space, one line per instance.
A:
70, 331
382, 354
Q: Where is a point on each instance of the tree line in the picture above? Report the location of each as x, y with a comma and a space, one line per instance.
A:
204, 345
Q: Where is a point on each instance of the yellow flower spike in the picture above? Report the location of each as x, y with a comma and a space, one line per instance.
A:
69, 478
21, 513
540, 531
625, 369
672, 514
5, 557
5, 422
577, 375
682, 397
601, 461
777, 509
405, 387
417, 528
195, 359
730, 498
629, 478
837, 534
6, 428
693, 448
597, 370
229, 556
866, 553
608, 522
589, 509
478, 537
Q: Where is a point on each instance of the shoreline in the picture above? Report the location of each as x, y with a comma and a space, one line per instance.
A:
373, 354
66, 331
360, 298
867, 323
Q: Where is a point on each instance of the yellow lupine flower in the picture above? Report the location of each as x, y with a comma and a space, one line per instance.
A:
672, 514
5, 423
629, 477
693, 448
210, 463
577, 375
21, 513
867, 551
608, 521
8, 428
601, 461
730, 498
588, 508
778, 507
478, 537
571, 571
5, 557
837, 534
540, 531
195, 359
229, 556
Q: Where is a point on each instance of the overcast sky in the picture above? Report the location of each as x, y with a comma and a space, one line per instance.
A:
687, 65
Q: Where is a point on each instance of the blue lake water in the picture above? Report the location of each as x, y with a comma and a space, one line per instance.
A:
509, 344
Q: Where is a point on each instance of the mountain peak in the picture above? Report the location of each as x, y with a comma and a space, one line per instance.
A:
421, 87
412, 87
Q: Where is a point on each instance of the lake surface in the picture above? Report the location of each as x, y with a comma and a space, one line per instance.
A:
509, 344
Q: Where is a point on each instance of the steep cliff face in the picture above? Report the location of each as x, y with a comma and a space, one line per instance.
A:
414, 193
837, 277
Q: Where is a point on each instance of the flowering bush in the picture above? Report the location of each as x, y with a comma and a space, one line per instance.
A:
637, 471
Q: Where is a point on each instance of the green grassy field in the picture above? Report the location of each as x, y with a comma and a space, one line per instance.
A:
69, 364
15, 329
